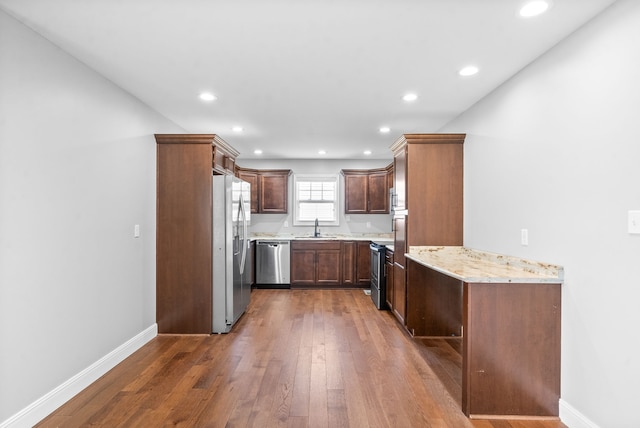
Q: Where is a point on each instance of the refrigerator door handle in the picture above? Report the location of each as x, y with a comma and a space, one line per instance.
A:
244, 233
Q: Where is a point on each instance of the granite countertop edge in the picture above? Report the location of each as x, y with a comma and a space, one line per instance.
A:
477, 266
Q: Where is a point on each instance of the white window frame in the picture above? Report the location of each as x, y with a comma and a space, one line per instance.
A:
316, 177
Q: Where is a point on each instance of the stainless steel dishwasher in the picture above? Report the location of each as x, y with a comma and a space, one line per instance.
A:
273, 264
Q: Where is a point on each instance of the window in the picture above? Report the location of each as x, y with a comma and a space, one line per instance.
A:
315, 196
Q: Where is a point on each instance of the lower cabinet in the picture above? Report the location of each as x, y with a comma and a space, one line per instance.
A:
399, 293
322, 263
363, 264
316, 263
388, 271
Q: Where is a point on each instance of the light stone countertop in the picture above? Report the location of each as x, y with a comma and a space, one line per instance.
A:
469, 265
381, 238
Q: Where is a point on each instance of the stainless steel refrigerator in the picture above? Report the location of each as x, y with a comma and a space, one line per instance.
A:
231, 245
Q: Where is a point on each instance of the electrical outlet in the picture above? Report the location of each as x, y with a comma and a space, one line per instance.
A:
524, 236
136, 231
368, 225
286, 223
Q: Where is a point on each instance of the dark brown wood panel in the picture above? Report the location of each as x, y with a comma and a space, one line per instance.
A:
511, 349
349, 250
399, 292
183, 243
434, 302
251, 177
378, 192
274, 193
400, 178
356, 193
303, 266
328, 267
389, 272
315, 244
363, 264
434, 188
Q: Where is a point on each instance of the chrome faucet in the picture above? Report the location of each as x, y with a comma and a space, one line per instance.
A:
316, 231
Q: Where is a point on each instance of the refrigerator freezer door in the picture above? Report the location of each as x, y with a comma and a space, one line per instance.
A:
230, 239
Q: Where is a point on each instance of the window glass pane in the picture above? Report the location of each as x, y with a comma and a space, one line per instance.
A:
316, 197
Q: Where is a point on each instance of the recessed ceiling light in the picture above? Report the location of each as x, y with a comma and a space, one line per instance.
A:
534, 8
410, 97
385, 129
322, 152
207, 96
257, 152
237, 129
469, 70
367, 152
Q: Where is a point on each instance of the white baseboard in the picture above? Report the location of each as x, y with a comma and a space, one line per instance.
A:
46, 404
572, 418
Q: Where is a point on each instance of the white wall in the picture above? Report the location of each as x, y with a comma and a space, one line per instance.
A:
555, 150
356, 224
77, 171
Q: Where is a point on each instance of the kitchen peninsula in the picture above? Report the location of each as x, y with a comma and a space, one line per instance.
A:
507, 311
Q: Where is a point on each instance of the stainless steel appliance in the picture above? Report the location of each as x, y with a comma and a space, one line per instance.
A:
273, 262
378, 281
231, 244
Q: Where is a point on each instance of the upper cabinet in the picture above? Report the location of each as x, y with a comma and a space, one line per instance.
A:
224, 157
428, 173
366, 191
269, 189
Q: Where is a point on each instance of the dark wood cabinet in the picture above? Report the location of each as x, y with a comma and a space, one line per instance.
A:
223, 157
363, 264
510, 332
250, 177
274, 191
366, 191
399, 286
303, 265
428, 179
389, 276
349, 251
399, 293
323, 263
269, 189
316, 263
183, 223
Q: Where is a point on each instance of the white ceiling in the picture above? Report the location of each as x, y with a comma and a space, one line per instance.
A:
304, 75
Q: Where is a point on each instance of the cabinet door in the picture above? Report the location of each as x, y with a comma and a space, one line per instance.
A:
252, 179
378, 193
303, 267
399, 292
349, 250
355, 193
328, 270
274, 193
399, 179
399, 238
390, 285
363, 264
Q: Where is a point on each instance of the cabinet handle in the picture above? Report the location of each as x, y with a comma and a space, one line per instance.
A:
393, 224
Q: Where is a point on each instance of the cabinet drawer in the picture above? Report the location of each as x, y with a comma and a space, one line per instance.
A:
315, 245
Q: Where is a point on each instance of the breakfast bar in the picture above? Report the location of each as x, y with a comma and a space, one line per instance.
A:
507, 312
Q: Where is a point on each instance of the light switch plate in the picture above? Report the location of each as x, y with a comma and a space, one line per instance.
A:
136, 231
524, 237
634, 221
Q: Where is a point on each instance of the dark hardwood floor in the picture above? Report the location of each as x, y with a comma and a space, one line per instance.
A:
297, 358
